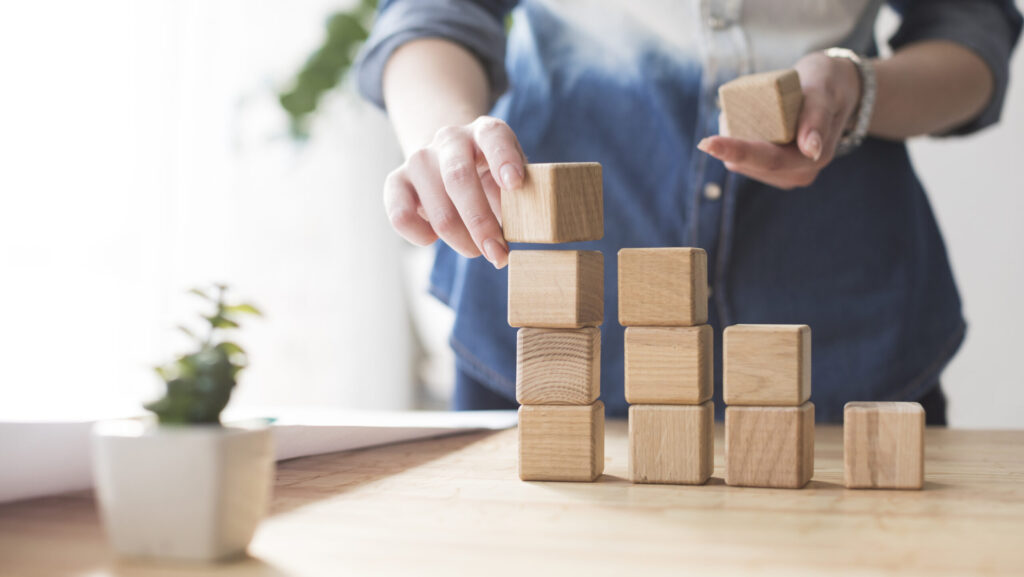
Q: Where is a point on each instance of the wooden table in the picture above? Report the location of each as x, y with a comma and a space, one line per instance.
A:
454, 506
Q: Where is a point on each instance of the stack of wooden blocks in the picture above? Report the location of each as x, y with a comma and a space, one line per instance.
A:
556, 297
663, 300
769, 422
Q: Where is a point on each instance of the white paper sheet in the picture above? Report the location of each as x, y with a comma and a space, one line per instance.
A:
42, 458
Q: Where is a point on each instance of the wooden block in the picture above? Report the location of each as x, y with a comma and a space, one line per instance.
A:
561, 443
558, 366
671, 443
769, 446
663, 287
766, 364
555, 288
883, 445
669, 365
762, 106
557, 203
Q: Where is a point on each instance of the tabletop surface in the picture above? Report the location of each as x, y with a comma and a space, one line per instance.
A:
455, 506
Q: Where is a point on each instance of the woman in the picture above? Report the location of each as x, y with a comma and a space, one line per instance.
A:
833, 231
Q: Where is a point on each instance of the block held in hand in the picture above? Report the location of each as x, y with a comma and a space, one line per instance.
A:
763, 106
557, 203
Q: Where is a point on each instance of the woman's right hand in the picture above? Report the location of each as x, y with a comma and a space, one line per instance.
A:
450, 189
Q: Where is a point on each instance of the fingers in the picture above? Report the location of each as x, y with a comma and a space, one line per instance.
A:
760, 156
817, 133
456, 156
783, 181
779, 166
493, 192
451, 189
422, 170
831, 88
404, 210
500, 148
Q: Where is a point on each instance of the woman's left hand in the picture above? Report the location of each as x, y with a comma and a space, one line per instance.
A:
831, 89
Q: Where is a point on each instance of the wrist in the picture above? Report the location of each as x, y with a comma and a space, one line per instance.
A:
852, 91
861, 114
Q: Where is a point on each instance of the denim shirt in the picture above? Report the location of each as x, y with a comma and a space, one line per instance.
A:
857, 255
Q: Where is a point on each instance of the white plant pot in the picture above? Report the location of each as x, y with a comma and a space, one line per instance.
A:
188, 492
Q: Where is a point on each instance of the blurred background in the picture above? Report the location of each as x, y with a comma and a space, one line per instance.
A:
144, 149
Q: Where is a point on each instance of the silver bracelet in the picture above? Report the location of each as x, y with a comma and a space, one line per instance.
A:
868, 89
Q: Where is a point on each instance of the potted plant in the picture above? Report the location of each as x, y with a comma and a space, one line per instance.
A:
187, 487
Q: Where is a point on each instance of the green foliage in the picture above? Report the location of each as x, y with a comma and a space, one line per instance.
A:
325, 68
199, 384
346, 31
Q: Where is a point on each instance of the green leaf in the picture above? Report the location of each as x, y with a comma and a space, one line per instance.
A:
244, 308
185, 367
231, 348
187, 331
327, 65
221, 322
201, 293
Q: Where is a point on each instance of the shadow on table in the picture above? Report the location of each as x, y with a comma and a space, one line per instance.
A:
306, 480
814, 484
838, 486
616, 479
248, 566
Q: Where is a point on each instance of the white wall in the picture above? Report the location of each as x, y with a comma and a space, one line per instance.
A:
977, 189
143, 153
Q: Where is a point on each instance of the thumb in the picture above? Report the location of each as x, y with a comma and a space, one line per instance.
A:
814, 128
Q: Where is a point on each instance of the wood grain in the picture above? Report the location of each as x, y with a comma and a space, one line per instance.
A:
671, 443
769, 446
454, 506
555, 288
883, 445
556, 203
561, 443
663, 286
766, 364
763, 106
669, 365
558, 366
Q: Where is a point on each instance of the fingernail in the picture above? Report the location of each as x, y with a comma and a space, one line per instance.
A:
703, 145
495, 252
813, 145
510, 176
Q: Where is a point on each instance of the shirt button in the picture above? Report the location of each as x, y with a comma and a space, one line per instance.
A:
717, 23
712, 191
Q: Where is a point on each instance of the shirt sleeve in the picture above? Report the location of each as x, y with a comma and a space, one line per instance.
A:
990, 28
478, 25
